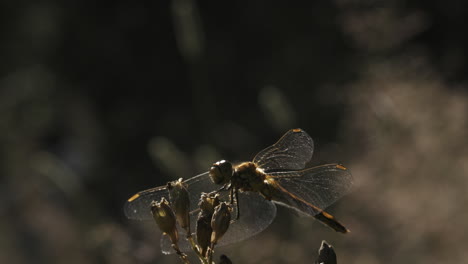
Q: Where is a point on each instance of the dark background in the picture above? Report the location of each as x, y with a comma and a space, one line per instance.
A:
99, 100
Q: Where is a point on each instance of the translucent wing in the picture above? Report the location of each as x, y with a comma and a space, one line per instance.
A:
256, 214
291, 152
138, 206
314, 189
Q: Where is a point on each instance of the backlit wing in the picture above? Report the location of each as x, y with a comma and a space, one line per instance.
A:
138, 206
291, 152
256, 213
314, 189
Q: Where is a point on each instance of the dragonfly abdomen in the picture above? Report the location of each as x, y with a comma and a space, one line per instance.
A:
285, 197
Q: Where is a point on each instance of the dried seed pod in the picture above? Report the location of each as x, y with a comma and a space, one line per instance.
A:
220, 222
180, 201
207, 204
223, 259
326, 254
203, 232
165, 219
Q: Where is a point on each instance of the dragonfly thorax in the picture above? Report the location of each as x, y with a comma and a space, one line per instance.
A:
248, 177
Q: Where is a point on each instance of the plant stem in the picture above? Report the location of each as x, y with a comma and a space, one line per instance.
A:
195, 249
182, 256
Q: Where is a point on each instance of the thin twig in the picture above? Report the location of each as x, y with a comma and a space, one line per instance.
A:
195, 249
182, 256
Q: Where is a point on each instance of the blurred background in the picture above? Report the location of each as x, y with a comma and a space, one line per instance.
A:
101, 99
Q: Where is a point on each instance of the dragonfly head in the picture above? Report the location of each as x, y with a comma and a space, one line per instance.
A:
221, 172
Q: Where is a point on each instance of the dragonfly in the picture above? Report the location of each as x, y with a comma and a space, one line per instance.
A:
277, 175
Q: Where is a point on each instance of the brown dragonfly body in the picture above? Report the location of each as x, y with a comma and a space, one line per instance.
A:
247, 176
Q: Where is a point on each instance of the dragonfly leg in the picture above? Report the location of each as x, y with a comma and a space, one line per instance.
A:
234, 199
231, 196
225, 187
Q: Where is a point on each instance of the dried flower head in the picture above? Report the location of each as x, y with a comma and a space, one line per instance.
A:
203, 232
223, 259
207, 204
165, 219
326, 254
180, 201
220, 221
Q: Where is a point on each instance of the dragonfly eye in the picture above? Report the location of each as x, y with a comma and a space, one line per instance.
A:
221, 172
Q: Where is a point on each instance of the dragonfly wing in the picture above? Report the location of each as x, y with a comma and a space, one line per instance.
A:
256, 214
138, 206
292, 151
313, 189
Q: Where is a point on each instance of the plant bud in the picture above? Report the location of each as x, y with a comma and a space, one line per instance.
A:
326, 254
223, 259
203, 232
220, 222
221, 172
207, 204
165, 219
180, 201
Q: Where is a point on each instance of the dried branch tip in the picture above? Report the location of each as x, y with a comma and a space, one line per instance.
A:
326, 254
223, 259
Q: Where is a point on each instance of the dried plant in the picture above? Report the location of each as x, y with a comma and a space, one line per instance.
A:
213, 221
